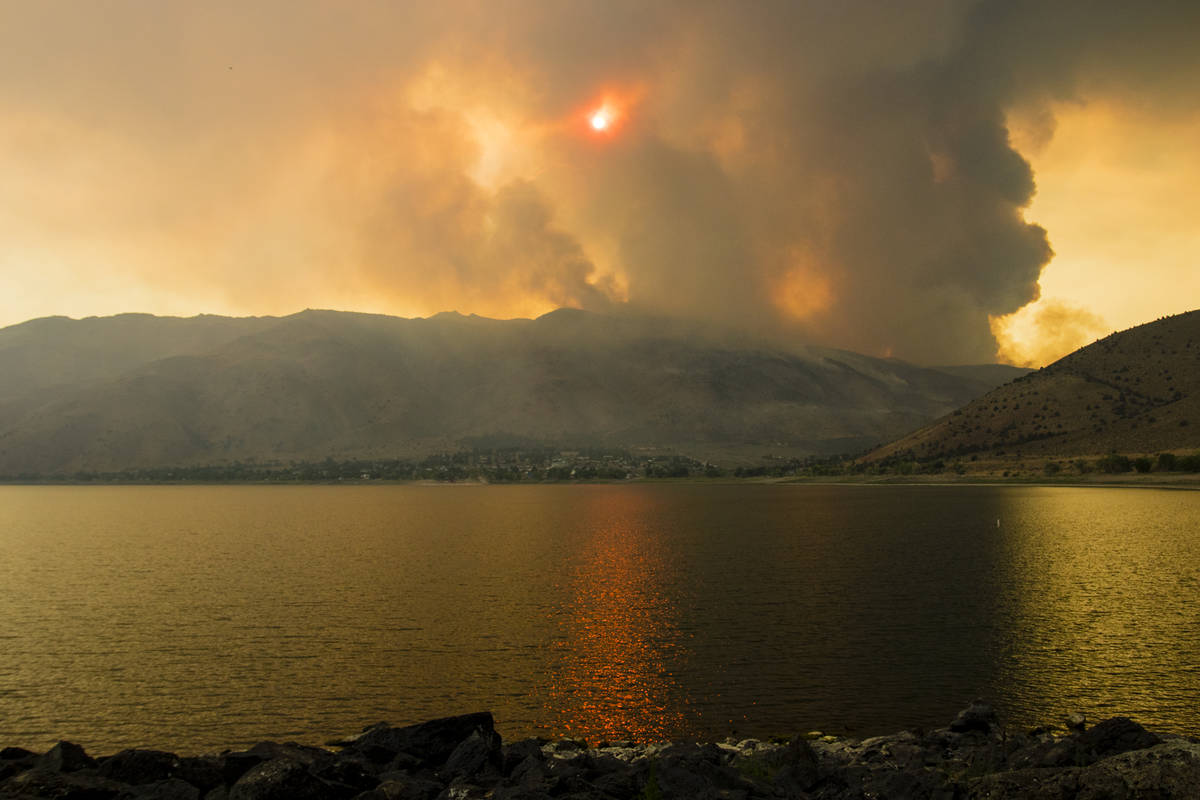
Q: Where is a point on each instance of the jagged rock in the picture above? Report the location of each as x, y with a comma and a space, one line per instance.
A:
283, 779
403, 787
14, 760
139, 766
1117, 759
800, 770
402, 762
477, 754
618, 782
236, 764
304, 754
525, 793
529, 772
553, 775
1114, 736
1169, 770
693, 771
169, 789
347, 774
1031, 784
1076, 722
432, 742
1107, 738
204, 772
463, 791
77, 785
15, 753
516, 753
65, 757
978, 716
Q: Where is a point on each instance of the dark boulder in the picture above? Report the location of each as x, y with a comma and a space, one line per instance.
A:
14, 760
462, 790
283, 779
15, 753
65, 757
1169, 770
403, 787
1026, 784
431, 742
236, 764
1108, 738
478, 754
203, 772
533, 793
799, 770
169, 789
75, 785
692, 771
978, 716
1114, 736
302, 753
401, 762
516, 753
344, 773
618, 782
139, 766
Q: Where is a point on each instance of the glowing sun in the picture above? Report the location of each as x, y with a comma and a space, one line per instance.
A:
600, 119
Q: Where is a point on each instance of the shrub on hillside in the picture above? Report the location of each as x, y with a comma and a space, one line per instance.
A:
1114, 464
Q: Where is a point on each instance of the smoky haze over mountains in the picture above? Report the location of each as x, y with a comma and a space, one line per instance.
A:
841, 172
140, 391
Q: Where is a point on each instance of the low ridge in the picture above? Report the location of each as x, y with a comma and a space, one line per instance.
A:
1132, 392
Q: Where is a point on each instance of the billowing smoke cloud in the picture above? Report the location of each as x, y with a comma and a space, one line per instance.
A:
1053, 330
831, 172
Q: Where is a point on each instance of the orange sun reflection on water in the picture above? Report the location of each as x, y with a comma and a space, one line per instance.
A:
615, 659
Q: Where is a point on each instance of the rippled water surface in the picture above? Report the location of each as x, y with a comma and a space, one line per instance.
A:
199, 617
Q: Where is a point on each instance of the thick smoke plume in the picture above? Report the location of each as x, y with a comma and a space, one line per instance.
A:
830, 172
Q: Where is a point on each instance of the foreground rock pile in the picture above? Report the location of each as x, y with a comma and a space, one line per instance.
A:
462, 758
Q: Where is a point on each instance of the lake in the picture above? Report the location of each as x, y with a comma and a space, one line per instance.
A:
199, 617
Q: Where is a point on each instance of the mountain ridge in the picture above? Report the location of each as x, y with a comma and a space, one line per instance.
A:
135, 391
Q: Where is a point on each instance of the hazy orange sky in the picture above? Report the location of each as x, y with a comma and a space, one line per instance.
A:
945, 182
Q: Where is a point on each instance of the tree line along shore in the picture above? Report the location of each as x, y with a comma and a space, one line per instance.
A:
617, 465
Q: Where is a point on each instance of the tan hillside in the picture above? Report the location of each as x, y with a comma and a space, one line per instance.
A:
1137, 391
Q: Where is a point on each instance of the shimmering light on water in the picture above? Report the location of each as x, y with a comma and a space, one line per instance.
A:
199, 617
611, 676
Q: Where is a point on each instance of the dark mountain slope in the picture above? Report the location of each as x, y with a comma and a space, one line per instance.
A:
319, 383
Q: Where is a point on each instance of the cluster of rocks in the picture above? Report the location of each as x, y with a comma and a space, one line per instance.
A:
463, 758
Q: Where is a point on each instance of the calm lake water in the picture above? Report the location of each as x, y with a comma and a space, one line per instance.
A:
199, 617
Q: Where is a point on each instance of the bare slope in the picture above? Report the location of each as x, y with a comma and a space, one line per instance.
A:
1137, 391
319, 383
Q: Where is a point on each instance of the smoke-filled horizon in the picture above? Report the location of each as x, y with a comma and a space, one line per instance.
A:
852, 174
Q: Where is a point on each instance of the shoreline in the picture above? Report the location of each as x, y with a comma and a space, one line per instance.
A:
1185, 482
463, 758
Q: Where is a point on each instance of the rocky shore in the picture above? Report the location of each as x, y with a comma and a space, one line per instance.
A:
463, 758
